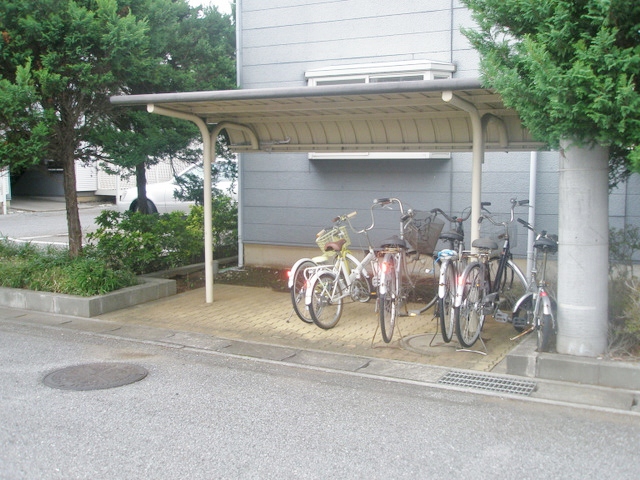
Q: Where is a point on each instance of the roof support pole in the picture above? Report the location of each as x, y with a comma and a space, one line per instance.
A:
208, 140
478, 157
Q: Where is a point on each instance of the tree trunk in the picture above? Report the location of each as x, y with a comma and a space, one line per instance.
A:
583, 250
141, 183
71, 200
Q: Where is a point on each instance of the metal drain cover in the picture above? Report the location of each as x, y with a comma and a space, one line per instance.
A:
95, 376
488, 382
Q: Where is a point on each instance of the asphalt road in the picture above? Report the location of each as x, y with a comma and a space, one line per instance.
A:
49, 226
203, 415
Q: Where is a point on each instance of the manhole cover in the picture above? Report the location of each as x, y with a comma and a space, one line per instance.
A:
95, 376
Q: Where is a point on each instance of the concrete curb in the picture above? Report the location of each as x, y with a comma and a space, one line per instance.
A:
87, 307
524, 361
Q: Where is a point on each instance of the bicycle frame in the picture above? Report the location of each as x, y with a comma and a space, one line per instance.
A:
541, 316
476, 278
341, 267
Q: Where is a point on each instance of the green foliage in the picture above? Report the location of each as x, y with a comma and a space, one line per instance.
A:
624, 243
191, 185
624, 316
569, 68
147, 243
224, 224
624, 291
191, 50
53, 270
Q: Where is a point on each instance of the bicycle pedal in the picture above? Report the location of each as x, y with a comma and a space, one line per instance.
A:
501, 317
519, 322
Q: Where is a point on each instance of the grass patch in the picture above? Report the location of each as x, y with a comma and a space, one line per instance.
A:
53, 270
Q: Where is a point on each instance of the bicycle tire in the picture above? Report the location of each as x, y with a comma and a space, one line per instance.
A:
446, 309
298, 290
469, 316
388, 301
326, 300
545, 332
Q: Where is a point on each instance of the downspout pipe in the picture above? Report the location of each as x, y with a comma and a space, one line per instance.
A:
533, 187
478, 157
208, 140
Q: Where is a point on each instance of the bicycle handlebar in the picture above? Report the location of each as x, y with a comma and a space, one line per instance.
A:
514, 203
541, 234
459, 219
343, 218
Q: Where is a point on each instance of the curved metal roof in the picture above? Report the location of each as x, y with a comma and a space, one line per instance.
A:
413, 116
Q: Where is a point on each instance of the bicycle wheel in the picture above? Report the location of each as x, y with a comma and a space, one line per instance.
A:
446, 307
326, 300
388, 296
298, 289
513, 284
545, 332
469, 317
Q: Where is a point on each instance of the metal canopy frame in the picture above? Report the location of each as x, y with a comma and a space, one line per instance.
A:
452, 115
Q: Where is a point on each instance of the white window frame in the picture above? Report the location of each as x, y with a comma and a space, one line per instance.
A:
373, 73
389, 71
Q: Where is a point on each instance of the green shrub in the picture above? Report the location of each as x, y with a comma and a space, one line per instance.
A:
624, 291
624, 316
145, 243
53, 270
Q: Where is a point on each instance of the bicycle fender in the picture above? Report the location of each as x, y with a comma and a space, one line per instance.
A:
441, 279
294, 269
308, 294
522, 300
547, 306
460, 290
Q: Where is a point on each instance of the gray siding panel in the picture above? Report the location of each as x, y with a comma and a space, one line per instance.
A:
287, 198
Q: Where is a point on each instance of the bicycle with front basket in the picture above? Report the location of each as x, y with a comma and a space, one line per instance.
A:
302, 271
490, 285
451, 261
327, 287
396, 283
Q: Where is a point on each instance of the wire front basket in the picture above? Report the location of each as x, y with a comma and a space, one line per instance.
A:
496, 232
423, 232
333, 235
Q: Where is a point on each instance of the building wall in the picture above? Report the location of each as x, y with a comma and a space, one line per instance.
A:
287, 198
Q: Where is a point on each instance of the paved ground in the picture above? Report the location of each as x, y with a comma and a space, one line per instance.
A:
266, 316
260, 323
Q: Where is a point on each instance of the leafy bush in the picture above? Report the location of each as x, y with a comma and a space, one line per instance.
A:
53, 270
146, 243
624, 292
125, 244
624, 316
225, 225
623, 244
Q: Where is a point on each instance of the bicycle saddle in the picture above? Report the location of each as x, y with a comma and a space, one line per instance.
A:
454, 236
547, 244
335, 246
394, 242
485, 243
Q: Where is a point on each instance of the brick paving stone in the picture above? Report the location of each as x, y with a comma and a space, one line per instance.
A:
264, 315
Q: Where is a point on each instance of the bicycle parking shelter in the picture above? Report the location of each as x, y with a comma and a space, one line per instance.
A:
449, 115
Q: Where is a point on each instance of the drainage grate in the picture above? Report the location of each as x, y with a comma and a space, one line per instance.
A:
488, 382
